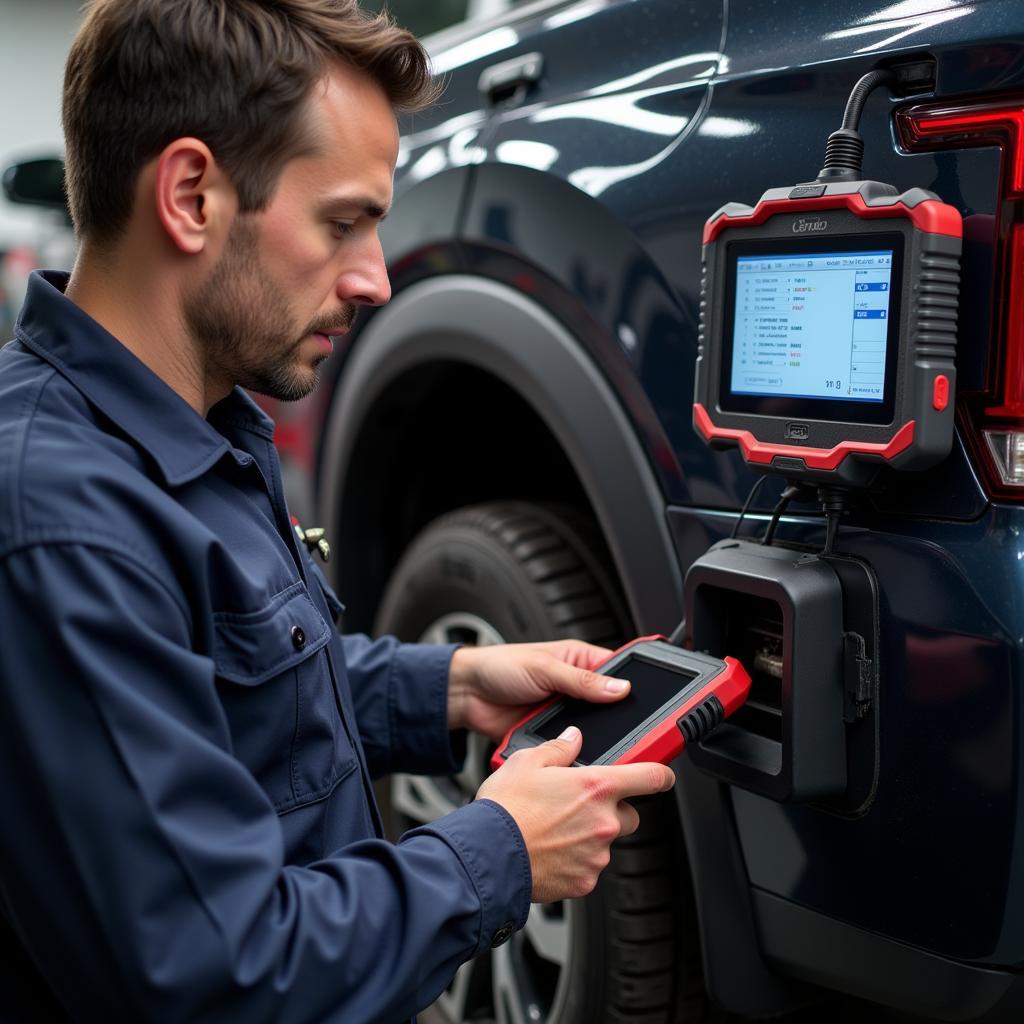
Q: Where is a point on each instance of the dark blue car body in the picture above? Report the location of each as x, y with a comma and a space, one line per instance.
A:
545, 253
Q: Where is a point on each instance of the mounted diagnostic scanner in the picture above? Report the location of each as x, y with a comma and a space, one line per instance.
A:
828, 335
828, 323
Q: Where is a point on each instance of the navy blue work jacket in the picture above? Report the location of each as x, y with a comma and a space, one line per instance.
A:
186, 741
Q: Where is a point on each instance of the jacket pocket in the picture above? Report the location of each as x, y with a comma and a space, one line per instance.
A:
274, 679
334, 606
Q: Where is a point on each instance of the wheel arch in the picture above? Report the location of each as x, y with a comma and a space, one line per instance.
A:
460, 330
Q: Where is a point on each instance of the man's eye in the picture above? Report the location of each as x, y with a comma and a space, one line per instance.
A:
343, 228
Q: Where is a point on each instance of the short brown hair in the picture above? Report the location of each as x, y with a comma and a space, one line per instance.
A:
234, 73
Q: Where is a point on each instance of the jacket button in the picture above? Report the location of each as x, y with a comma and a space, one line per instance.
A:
298, 637
503, 934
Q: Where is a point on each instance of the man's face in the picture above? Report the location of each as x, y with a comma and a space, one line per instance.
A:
293, 275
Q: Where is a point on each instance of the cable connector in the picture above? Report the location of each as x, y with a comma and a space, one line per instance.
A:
834, 502
696, 724
844, 151
844, 156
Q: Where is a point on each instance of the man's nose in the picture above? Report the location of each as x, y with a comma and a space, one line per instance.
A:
367, 282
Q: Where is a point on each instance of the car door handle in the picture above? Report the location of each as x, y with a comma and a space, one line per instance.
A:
510, 81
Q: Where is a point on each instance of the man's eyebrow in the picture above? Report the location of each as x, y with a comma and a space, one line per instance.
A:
370, 207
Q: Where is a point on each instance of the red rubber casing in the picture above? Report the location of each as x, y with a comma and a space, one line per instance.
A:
809, 439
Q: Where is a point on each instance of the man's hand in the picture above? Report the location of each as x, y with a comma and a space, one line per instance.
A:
492, 688
569, 817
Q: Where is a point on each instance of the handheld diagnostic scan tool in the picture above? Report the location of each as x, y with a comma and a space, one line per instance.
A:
677, 696
828, 323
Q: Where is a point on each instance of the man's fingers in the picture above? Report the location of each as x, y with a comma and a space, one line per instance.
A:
626, 780
629, 818
587, 685
578, 652
560, 752
590, 655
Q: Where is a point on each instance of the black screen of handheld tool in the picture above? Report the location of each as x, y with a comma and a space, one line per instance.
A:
605, 725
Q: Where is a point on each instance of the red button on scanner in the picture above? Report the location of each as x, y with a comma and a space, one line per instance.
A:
940, 392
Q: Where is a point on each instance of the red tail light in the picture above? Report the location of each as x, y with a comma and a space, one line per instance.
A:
992, 420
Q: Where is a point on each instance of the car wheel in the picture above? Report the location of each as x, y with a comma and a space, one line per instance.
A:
514, 572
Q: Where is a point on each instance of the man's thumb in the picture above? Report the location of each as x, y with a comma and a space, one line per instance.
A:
563, 751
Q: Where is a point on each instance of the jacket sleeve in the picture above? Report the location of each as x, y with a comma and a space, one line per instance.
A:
143, 868
400, 693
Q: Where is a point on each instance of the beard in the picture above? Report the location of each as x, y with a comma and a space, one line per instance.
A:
243, 326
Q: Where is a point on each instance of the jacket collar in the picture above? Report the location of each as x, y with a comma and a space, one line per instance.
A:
181, 443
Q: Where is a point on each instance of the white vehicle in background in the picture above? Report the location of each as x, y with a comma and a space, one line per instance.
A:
35, 232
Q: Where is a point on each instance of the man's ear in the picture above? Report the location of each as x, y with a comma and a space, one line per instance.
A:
195, 200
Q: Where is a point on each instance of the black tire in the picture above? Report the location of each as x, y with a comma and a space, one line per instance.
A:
536, 573
533, 573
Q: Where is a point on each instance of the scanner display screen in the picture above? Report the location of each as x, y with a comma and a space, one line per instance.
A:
812, 325
604, 726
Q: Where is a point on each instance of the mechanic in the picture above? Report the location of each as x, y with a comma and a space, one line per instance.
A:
187, 742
